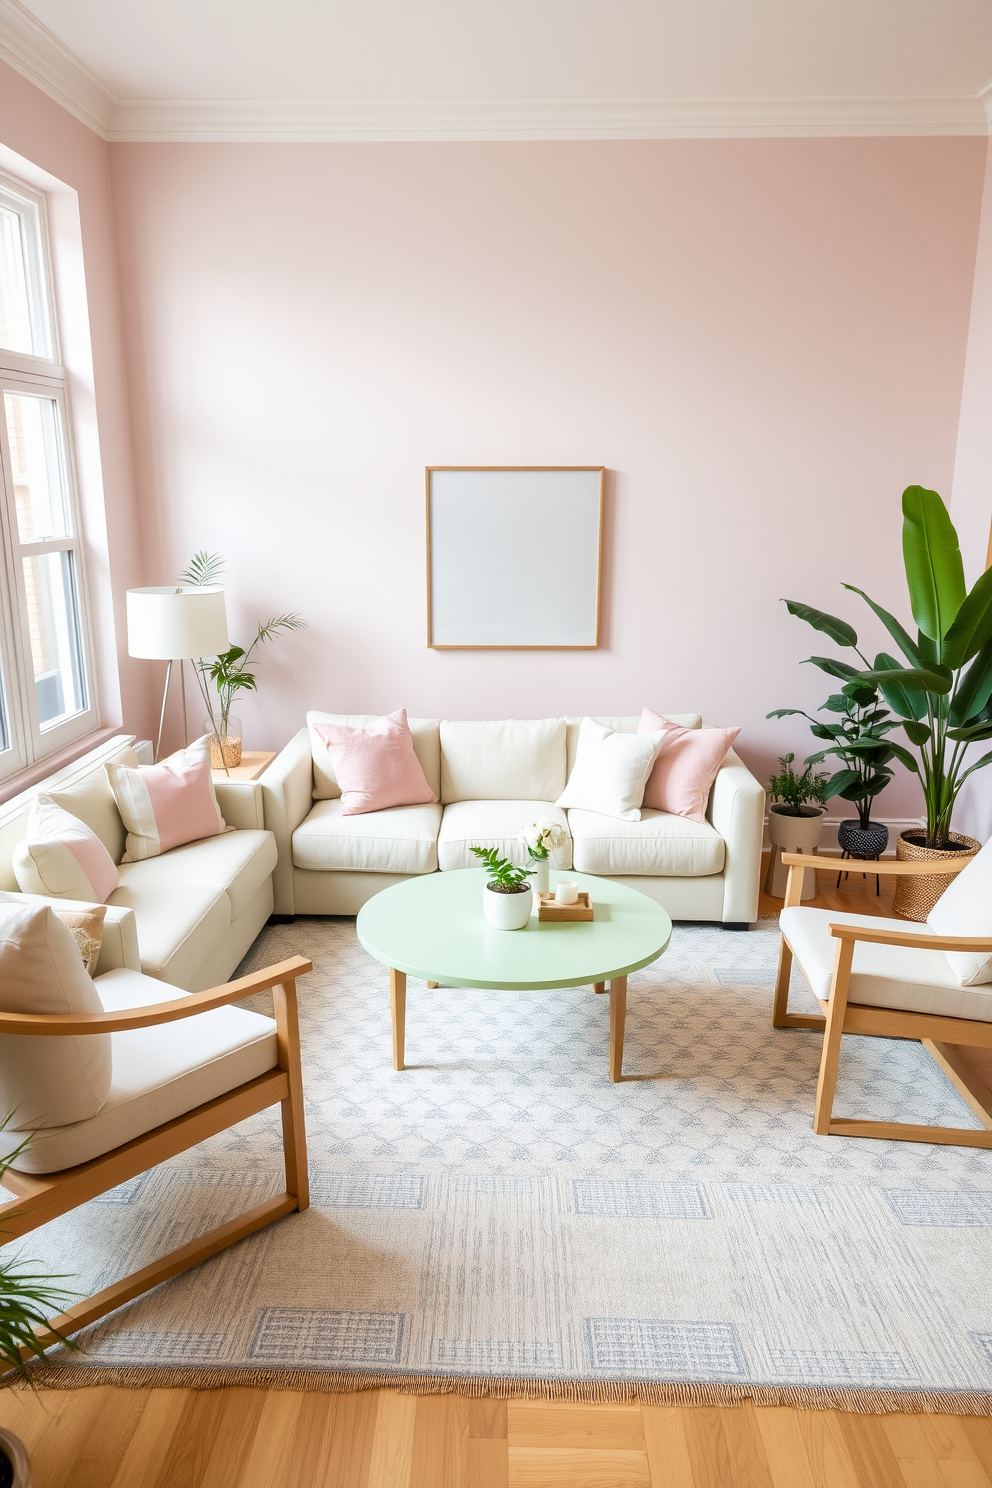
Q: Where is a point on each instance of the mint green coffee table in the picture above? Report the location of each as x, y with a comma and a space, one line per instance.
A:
433, 927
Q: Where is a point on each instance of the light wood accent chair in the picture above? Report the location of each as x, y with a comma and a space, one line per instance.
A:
961, 1046
42, 1196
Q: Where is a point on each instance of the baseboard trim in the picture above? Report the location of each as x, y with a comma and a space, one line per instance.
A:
828, 839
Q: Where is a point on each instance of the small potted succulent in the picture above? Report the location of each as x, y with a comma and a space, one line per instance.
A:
795, 819
507, 899
541, 838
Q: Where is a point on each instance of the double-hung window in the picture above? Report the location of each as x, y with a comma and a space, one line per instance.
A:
46, 684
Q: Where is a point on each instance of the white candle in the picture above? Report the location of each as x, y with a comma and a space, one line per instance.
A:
566, 891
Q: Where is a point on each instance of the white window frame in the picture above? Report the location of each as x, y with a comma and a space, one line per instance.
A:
39, 376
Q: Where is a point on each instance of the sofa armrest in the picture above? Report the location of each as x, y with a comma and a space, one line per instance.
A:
287, 797
737, 812
119, 951
240, 803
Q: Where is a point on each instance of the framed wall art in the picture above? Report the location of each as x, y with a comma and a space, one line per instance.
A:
514, 556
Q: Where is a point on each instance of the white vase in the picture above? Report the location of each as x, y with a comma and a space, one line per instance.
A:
507, 911
542, 875
792, 834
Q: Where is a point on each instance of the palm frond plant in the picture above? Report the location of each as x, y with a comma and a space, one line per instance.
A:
858, 740
792, 791
939, 692
504, 877
29, 1297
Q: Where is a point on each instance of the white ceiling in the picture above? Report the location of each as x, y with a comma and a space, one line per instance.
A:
507, 68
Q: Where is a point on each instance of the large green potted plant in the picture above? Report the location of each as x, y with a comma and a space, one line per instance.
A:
857, 739
939, 691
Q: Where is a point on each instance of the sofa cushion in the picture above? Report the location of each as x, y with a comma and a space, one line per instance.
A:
881, 975
237, 864
158, 1073
178, 924
623, 725
658, 844
509, 759
402, 839
468, 824
92, 800
45, 1081
426, 746
965, 908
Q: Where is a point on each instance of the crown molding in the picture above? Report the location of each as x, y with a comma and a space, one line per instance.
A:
37, 54
545, 119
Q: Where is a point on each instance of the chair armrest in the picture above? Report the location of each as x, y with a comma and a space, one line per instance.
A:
873, 865
187, 1006
240, 803
912, 938
287, 796
119, 951
737, 812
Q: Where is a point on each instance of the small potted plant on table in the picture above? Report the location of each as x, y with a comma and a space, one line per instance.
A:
795, 819
506, 898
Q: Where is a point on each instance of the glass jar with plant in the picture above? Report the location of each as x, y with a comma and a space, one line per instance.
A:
506, 894
541, 839
939, 692
232, 672
858, 740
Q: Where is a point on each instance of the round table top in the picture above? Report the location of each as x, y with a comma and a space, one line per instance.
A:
433, 927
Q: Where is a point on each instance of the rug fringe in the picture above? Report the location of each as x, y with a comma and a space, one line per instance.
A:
576, 1391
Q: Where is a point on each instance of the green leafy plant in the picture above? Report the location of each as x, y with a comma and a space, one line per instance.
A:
231, 671
28, 1298
796, 791
504, 877
940, 691
857, 739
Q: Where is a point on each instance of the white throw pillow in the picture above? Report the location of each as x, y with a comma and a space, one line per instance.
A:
965, 908
47, 1081
611, 771
62, 857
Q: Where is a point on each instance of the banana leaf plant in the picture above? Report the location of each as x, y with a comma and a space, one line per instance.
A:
858, 740
940, 690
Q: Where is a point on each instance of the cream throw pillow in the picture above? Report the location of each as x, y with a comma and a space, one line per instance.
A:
46, 1081
611, 771
965, 908
61, 857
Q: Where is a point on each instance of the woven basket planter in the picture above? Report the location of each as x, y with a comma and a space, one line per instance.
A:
916, 897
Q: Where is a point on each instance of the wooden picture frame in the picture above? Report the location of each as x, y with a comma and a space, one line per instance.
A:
514, 557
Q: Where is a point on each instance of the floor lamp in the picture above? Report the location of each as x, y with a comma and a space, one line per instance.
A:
183, 622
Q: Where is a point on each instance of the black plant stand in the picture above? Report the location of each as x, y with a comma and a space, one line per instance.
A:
849, 857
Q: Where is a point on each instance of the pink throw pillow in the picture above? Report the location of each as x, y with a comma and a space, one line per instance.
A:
166, 805
686, 766
376, 767
62, 858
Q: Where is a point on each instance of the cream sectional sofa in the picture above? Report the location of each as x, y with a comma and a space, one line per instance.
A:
490, 779
187, 917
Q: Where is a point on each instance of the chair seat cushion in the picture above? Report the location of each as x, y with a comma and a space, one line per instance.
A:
158, 1073
236, 863
658, 844
468, 824
178, 924
402, 839
882, 976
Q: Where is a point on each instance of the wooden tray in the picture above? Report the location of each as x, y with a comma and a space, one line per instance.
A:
548, 908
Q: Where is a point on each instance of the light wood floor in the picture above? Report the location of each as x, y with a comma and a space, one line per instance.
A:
107, 1437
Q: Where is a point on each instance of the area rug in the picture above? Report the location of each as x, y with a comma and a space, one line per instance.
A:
500, 1218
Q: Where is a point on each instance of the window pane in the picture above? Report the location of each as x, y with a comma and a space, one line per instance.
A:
53, 621
15, 302
4, 730
36, 466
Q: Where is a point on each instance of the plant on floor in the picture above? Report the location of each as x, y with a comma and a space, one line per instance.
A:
940, 693
28, 1297
504, 877
857, 739
796, 791
230, 672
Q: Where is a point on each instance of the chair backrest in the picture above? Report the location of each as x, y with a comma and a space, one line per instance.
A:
47, 1081
965, 908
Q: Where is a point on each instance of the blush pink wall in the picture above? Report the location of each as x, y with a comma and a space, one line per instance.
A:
52, 140
763, 341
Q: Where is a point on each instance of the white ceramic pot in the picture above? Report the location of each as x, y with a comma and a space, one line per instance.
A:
792, 834
507, 911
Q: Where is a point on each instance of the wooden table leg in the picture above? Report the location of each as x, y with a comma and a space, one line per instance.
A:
397, 989
618, 1017
432, 985
599, 986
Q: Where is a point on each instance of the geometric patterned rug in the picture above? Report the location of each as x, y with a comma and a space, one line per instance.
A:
500, 1218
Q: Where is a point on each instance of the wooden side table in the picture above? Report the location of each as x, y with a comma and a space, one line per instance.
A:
253, 762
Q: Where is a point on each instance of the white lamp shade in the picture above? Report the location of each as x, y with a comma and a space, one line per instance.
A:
177, 623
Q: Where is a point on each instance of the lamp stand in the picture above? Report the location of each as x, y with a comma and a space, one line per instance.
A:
165, 699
